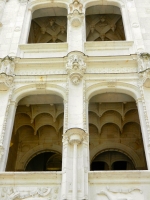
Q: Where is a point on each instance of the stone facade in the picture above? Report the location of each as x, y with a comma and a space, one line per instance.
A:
74, 100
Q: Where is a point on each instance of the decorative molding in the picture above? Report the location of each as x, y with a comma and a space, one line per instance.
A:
66, 107
84, 107
5, 123
145, 114
76, 67
41, 85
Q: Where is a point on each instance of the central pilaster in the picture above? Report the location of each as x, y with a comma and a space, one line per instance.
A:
75, 138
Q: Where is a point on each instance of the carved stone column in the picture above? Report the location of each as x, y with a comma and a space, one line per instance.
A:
2, 6
76, 26
75, 68
145, 125
7, 132
77, 150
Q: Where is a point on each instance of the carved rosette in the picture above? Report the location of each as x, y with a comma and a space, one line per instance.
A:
76, 15
76, 67
7, 73
75, 135
144, 68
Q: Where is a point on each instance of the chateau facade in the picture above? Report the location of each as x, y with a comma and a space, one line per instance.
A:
74, 100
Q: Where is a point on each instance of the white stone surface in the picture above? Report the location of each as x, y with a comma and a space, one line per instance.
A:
40, 69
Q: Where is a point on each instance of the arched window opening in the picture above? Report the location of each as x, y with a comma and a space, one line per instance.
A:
112, 160
104, 23
49, 25
47, 161
38, 126
114, 123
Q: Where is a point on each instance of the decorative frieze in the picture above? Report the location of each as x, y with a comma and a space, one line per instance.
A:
76, 67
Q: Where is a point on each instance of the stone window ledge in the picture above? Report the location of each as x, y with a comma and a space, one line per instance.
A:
43, 50
108, 48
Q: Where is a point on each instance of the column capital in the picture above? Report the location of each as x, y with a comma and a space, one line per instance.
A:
75, 136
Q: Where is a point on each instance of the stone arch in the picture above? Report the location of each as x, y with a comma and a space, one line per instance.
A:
127, 150
118, 3
124, 88
31, 89
37, 4
33, 6
21, 165
18, 94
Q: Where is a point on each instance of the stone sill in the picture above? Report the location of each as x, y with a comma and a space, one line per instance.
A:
42, 47
29, 177
122, 176
43, 50
108, 48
